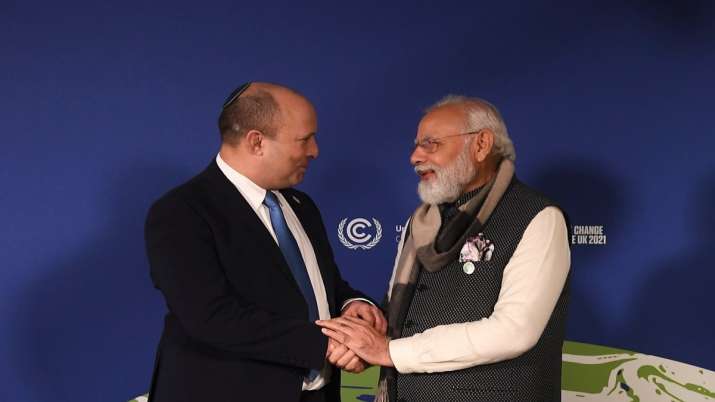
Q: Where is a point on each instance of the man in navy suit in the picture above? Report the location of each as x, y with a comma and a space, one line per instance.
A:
244, 264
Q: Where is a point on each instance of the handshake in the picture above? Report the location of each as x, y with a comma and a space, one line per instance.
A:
357, 338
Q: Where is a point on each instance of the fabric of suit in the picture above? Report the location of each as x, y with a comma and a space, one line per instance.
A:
237, 327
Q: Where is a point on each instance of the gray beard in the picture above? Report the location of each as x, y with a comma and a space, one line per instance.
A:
449, 181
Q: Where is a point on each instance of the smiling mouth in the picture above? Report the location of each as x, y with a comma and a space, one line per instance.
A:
426, 174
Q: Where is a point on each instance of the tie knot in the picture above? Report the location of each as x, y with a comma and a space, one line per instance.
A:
271, 201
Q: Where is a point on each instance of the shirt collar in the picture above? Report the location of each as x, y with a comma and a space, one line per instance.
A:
252, 192
464, 198
449, 209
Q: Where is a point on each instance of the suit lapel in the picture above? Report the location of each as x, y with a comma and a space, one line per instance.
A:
246, 219
314, 231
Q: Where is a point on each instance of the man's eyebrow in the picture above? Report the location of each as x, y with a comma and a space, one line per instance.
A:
427, 137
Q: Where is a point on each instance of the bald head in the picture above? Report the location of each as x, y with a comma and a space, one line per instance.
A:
258, 107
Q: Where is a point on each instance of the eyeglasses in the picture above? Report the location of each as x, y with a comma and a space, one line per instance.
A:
235, 94
431, 145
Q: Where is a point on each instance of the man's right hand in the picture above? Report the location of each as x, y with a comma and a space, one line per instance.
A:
342, 357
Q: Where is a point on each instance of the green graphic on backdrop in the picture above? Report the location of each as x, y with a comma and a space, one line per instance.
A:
591, 373
594, 373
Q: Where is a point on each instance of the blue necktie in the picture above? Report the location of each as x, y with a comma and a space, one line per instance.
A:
291, 252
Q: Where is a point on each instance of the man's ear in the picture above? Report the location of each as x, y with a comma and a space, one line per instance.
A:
254, 142
483, 144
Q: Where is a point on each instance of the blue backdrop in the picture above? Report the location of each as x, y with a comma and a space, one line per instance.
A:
105, 107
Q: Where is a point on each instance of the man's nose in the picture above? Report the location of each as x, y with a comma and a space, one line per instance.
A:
418, 156
313, 149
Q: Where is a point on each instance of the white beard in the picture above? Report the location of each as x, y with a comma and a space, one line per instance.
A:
448, 182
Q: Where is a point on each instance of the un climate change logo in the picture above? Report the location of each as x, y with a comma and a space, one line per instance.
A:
355, 232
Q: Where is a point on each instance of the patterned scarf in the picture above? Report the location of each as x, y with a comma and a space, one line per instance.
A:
426, 246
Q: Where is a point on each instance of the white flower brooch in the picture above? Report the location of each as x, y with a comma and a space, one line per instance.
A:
477, 248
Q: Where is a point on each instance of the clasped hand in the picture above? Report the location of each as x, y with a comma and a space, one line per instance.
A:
357, 338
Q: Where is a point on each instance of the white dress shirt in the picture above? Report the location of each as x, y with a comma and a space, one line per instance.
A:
531, 285
255, 195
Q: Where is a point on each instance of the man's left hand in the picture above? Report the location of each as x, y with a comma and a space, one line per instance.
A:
368, 313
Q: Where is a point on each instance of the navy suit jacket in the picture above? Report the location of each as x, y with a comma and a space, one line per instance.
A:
237, 326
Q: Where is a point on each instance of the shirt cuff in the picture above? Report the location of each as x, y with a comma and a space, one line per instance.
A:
403, 356
348, 301
442, 348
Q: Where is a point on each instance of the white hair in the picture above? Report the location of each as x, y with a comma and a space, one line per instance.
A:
482, 114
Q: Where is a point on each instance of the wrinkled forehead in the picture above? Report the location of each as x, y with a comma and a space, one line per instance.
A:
443, 120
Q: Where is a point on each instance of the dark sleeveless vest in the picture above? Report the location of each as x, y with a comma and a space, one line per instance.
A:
450, 296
